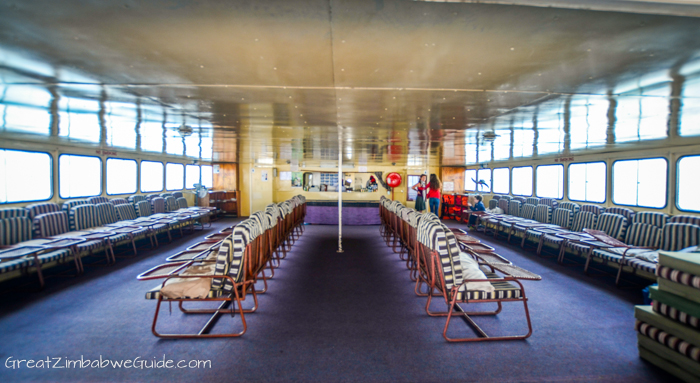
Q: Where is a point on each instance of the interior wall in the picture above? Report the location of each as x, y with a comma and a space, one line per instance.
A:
255, 192
454, 175
227, 177
283, 189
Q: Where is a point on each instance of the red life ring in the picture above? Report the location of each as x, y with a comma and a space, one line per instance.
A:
393, 179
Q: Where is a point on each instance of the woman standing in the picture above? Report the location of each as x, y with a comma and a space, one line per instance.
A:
434, 195
420, 187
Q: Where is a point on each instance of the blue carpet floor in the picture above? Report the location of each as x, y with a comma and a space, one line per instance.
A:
328, 317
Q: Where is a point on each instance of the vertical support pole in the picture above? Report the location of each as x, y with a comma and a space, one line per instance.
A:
340, 189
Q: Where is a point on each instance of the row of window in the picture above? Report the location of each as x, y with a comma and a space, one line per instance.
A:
28, 176
634, 182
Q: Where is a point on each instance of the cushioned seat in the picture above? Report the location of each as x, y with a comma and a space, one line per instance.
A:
503, 290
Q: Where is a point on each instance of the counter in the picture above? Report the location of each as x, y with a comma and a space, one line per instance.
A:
355, 213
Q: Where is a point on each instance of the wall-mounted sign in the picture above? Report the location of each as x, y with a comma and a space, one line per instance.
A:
563, 159
217, 169
263, 175
106, 152
362, 169
448, 186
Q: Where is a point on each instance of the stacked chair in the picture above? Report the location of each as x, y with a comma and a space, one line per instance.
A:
43, 235
448, 264
226, 266
669, 329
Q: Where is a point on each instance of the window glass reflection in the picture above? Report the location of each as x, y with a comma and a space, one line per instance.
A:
207, 176
550, 181
640, 182
151, 136
469, 180
484, 178
501, 180
522, 181
78, 119
79, 176
15, 186
690, 109
121, 125
589, 123
173, 143
688, 183
587, 182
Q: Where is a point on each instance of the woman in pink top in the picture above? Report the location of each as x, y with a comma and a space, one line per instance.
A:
434, 194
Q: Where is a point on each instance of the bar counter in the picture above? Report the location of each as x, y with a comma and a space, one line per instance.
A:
355, 213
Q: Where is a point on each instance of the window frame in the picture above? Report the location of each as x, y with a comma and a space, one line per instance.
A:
568, 174
509, 180
102, 165
409, 186
677, 183
612, 182
51, 163
212, 175
532, 184
137, 174
564, 178
165, 172
185, 175
141, 175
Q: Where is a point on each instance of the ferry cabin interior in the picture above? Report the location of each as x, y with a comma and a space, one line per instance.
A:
162, 139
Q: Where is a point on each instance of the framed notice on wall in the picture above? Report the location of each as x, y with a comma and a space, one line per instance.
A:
448, 186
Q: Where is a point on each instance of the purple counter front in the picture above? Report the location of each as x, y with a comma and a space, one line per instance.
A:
354, 214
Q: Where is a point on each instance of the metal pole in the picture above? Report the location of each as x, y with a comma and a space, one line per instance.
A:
340, 190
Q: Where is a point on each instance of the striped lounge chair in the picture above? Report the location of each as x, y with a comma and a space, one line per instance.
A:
96, 200
613, 225
16, 231
127, 212
561, 222
582, 220
542, 216
144, 210
675, 236
107, 213
136, 198
526, 216
229, 283
440, 248
56, 225
573, 206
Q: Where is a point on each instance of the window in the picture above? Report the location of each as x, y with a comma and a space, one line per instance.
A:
501, 180
412, 194
640, 182
174, 176
522, 181
470, 180
191, 176
79, 176
484, 179
688, 183
207, 176
587, 182
121, 176
550, 181
15, 186
151, 176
